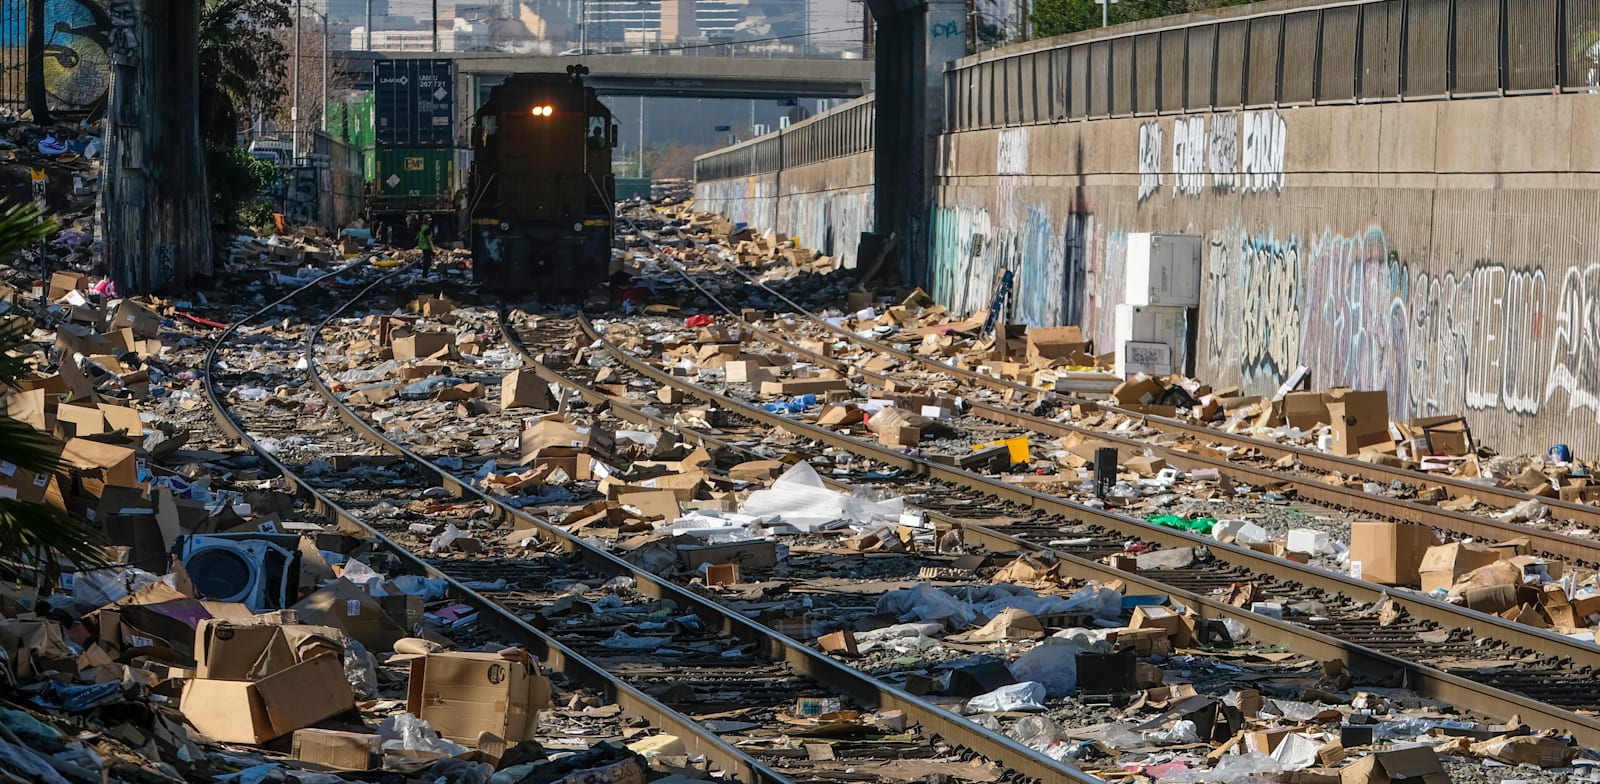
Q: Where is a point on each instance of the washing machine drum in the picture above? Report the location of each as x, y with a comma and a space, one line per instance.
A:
221, 574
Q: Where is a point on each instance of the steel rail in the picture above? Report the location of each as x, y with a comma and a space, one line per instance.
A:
773, 644
1425, 679
1545, 543
1322, 461
633, 702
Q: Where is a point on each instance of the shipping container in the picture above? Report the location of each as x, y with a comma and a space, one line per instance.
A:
414, 103
633, 187
414, 178
351, 120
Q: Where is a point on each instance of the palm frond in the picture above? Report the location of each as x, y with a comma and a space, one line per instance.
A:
22, 225
44, 536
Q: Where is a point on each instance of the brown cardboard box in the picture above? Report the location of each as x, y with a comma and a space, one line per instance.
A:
1358, 419
1147, 616
336, 749
756, 470
1139, 390
1056, 343
274, 706
421, 345
1416, 765
464, 695
343, 605
803, 386
1389, 553
1444, 435
746, 371
119, 465
1444, 564
553, 436
232, 652
76, 420
64, 283
524, 389
131, 315
1305, 410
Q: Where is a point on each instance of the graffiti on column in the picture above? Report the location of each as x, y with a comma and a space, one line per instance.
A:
77, 44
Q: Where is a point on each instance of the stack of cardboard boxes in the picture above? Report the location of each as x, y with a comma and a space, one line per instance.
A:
1161, 287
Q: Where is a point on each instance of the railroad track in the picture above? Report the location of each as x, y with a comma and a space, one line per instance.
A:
1531, 668
789, 668
1579, 550
348, 506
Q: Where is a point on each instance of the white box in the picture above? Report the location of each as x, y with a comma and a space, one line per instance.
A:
1151, 359
1162, 269
1162, 324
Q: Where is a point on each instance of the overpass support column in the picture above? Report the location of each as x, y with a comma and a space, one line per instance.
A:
915, 39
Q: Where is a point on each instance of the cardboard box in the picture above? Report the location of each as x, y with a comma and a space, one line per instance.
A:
64, 283
421, 345
343, 605
1416, 765
116, 465
524, 389
1057, 343
1305, 410
752, 554
233, 711
1149, 616
464, 695
1358, 419
551, 436
1444, 564
803, 386
131, 315
336, 749
1390, 553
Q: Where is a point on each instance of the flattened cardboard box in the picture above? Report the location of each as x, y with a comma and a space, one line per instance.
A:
464, 695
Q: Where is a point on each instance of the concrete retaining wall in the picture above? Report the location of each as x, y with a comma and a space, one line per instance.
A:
826, 205
1448, 252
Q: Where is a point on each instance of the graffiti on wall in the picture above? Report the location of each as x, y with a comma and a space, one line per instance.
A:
1240, 151
1048, 256
1189, 145
1254, 313
1149, 159
77, 63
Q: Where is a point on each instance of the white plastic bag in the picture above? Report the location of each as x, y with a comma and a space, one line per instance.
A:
405, 732
1018, 696
927, 603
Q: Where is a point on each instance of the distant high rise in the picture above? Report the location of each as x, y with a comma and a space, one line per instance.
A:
678, 20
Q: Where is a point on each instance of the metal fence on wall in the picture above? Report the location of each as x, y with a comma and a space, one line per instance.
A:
846, 130
13, 54
1354, 52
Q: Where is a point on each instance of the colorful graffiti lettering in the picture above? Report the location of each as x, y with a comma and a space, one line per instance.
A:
951, 29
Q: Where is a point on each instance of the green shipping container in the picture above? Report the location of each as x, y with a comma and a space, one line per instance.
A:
416, 177
351, 120
629, 187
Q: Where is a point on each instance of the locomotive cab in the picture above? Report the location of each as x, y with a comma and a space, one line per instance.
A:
541, 192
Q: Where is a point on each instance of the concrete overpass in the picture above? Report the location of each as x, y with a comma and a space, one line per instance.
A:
678, 76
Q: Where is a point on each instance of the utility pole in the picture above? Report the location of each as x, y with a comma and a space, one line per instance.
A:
641, 138
294, 106
369, 25
435, 25
326, 31
583, 26
33, 79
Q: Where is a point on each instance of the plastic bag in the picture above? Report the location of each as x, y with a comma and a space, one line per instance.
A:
405, 732
99, 587
1199, 525
1036, 732
1119, 736
1230, 769
1053, 666
1183, 731
1018, 696
1101, 602
927, 603
800, 499
361, 670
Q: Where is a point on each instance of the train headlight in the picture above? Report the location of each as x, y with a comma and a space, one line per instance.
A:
543, 111
577, 227
505, 226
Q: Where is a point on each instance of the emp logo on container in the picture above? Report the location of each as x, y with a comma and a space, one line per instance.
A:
497, 673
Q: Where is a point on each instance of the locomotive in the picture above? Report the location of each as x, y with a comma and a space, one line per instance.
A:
541, 195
